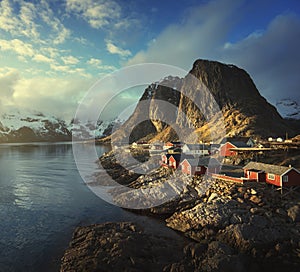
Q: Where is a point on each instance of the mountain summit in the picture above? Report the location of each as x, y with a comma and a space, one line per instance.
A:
244, 111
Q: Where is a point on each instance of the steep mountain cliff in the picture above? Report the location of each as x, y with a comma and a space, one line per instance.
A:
174, 105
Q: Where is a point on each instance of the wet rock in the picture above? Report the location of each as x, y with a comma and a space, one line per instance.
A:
220, 257
281, 212
212, 197
255, 199
254, 236
215, 214
294, 213
119, 247
259, 221
256, 210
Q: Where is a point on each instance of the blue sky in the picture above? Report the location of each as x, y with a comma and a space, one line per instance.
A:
51, 52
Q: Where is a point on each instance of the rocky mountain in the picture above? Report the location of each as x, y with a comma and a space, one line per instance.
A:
89, 130
37, 127
30, 127
187, 105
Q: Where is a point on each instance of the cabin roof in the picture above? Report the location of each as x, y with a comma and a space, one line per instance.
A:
269, 168
175, 156
174, 148
197, 146
237, 141
203, 161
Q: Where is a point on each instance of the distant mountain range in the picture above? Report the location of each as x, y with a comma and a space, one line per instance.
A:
245, 111
31, 127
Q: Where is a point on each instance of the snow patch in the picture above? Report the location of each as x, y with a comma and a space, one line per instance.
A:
288, 108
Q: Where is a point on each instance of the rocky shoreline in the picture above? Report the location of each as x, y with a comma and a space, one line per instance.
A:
229, 226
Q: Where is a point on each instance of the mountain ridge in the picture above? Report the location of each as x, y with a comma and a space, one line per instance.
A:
244, 111
22, 127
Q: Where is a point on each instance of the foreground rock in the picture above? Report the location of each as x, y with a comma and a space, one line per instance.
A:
232, 227
126, 247
250, 220
120, 247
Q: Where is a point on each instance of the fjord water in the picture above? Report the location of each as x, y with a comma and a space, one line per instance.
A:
42, 200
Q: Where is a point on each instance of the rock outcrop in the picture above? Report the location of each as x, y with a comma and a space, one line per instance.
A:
251, 219
120, 247
244, 111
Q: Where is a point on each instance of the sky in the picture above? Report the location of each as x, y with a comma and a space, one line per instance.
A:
52, 52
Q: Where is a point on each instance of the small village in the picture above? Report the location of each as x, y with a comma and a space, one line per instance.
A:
217, 160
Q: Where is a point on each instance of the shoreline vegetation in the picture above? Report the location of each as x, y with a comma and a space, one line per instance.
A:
226, 226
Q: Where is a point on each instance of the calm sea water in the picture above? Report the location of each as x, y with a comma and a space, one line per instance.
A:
42, 200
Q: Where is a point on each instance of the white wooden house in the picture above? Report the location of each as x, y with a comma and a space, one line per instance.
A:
196, 149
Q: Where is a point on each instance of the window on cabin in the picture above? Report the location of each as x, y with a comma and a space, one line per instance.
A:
198, 168
285, 178
271, 176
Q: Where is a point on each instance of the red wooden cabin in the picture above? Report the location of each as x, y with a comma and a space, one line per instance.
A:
282, 176
234, 142
200, 166
225, 150
165, 159
174, 160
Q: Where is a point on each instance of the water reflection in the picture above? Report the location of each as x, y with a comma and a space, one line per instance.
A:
42, 198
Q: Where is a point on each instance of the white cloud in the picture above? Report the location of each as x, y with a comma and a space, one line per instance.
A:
21, 24
58, 96
113, 49
23, 21
102, 69
82, 40
202, 29
17, 46
271, 57
52, 51
94, 62
97, 13
60, 68
70, 60
8, 78
60, 32
42, 58
27, 15
118, 21
68, 70
8, 21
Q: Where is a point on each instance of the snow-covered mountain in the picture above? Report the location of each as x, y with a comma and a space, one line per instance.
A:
289, 108
88, 129
30, 127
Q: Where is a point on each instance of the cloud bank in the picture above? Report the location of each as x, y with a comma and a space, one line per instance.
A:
52, 96
270, 55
